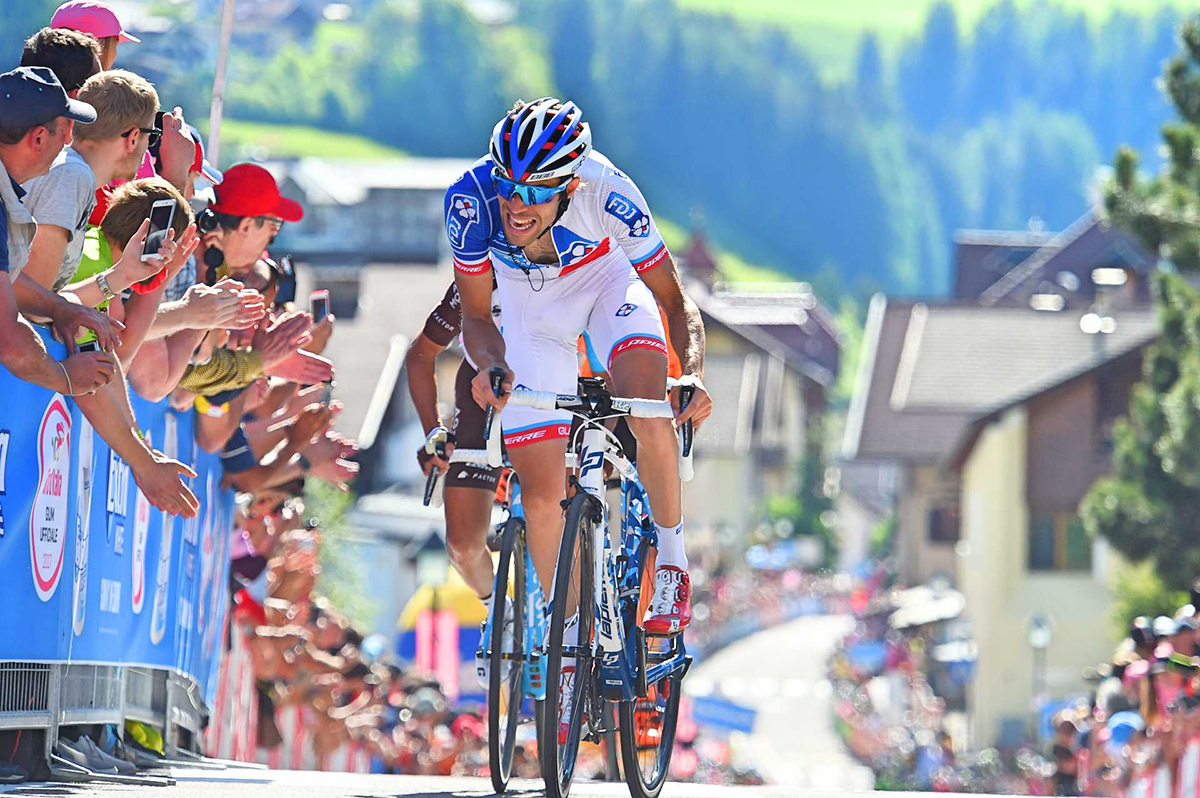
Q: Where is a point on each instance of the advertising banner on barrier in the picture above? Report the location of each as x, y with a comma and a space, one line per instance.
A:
1189, 770
93, 572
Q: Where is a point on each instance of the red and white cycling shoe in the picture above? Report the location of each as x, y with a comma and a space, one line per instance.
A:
671, 608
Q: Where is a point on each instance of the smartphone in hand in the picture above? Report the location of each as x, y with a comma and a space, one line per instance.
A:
162, 214
319, 304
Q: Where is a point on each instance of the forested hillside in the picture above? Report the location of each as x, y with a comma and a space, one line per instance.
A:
856, 182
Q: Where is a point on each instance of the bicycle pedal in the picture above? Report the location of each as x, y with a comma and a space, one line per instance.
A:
666, 635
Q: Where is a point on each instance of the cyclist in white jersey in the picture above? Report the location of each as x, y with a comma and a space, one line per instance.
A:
573, 247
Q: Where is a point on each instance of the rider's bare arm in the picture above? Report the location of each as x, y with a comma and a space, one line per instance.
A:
685, 328
480, 335
421, 364
683, 317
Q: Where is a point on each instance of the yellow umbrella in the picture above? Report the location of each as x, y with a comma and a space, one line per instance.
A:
452, 595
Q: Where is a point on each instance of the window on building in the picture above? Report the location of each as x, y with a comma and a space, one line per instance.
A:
1057, 542
944, 523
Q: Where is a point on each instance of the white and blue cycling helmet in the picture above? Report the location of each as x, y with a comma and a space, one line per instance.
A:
540, 140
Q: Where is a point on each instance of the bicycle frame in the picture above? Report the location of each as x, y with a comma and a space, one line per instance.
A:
624, 671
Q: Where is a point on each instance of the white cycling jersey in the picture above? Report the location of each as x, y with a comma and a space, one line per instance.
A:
604, 240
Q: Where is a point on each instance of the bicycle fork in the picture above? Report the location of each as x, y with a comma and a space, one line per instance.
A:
610, 646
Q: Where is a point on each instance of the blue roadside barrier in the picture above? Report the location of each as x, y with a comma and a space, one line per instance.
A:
92, 574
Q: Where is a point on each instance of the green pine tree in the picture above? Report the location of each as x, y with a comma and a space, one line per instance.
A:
1149, 506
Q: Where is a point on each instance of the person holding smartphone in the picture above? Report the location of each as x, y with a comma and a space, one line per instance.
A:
61, 201
132, 206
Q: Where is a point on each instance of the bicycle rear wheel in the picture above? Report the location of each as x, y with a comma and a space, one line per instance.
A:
648, 722
507, 664
572, 595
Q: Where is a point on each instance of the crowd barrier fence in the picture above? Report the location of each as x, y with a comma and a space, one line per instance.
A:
1154, 778
113, 610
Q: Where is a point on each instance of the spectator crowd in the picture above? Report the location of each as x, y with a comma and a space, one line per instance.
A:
203, 317
1136, 731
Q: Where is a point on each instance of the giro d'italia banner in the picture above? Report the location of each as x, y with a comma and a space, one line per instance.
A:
91, 571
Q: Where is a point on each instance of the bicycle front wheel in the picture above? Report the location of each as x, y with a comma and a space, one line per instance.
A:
507, 663
648, 722
568, 673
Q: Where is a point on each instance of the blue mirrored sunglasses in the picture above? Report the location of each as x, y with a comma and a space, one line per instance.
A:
530, 195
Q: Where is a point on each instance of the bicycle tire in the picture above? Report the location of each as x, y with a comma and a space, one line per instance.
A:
647, 723
505, 691
558, 759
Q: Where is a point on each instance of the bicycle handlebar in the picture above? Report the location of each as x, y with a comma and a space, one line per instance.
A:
435, 473
637, 408
686, 436
475, 457
435, 487
495, 458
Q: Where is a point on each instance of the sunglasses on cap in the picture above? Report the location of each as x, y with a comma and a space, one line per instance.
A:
530, 195
154, 134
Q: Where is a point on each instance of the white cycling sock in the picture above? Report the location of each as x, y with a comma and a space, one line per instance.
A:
670, 547
571, 633
487, 602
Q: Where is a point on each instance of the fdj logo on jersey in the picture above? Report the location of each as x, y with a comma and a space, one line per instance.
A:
572, 248
462, 213
626, 309
624, 209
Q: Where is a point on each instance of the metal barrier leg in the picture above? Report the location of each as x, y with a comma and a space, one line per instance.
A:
54, 704
169, 731
124, 693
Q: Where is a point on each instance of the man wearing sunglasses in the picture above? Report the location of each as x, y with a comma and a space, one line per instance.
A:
248, 214
573, 248
110, 149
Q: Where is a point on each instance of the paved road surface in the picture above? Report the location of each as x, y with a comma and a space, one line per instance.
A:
781, 673
297, 784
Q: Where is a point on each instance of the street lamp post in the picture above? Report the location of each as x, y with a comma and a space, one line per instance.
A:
1040, 636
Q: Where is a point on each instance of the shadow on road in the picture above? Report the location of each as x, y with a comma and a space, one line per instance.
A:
459, 794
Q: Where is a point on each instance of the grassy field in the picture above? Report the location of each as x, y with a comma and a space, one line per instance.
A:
830, 31
242, 140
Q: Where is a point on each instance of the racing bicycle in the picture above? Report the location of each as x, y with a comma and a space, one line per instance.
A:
602, 583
